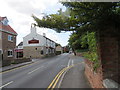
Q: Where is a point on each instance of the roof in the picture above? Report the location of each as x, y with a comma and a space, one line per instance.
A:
2, 18
6, 28
49, 39
20, 44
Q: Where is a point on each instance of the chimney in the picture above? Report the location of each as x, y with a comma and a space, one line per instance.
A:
33, 28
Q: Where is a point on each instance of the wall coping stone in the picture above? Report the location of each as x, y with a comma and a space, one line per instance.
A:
108, 83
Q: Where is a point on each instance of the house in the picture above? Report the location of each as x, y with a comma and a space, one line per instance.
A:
19, 50
7, 39
36, 45
59, 49
66, 49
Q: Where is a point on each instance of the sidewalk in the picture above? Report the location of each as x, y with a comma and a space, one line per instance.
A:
16, 65
75, 78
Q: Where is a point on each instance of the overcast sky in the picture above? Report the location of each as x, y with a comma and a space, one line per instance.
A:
19, 14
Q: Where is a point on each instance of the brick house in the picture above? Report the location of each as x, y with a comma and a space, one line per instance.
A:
7, 39
59, 49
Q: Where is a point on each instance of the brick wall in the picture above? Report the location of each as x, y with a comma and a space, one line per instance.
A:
33, 51
95, 78
109, 56
7, 45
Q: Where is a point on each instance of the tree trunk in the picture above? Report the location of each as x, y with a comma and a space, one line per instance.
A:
74, 51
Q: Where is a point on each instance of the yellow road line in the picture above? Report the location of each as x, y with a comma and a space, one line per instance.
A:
60, 76
17, 68
56, 77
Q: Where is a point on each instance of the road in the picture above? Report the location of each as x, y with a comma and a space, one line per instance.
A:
39, 74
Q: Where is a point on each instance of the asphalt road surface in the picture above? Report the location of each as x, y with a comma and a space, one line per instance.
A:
39, 74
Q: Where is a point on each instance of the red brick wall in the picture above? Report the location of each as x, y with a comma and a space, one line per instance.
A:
95, 78
108, 44
7, 45
109, 56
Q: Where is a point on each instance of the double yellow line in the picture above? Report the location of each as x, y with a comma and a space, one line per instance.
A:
56, 79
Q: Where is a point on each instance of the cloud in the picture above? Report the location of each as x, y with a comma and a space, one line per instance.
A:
19, 14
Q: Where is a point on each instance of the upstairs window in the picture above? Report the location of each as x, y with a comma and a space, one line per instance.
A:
5, 21
10, 53
10, 38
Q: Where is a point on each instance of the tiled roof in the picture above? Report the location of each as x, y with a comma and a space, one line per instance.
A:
1, 18
7, 28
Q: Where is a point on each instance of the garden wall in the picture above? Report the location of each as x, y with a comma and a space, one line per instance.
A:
95, 78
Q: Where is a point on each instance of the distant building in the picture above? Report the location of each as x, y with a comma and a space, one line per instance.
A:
7, 39
59, 49
19, 50
66, 49
36, 45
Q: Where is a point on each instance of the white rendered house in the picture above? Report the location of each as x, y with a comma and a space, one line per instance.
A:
36, 45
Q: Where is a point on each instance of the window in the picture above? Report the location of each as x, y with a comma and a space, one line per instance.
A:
10, 38
42, 52
5, 21
10, 53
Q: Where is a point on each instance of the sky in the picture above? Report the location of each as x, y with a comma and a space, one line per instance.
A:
19, 14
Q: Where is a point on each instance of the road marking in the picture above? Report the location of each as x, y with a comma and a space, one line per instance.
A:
59, 84
58, 76
35, 70
68, 63
6, 84
72, 62
56, 79
18, 67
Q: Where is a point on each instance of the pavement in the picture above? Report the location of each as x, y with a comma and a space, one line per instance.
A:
42, 72
17, 65
75, 78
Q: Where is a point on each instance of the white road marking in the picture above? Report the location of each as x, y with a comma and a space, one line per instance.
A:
62, 77
34, 70
72, 62
59, 84
68, 63
6, 84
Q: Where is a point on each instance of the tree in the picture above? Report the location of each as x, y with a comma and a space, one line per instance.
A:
83, 16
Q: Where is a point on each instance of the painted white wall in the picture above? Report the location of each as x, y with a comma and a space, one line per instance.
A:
20, 47
54, 45
33, 34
